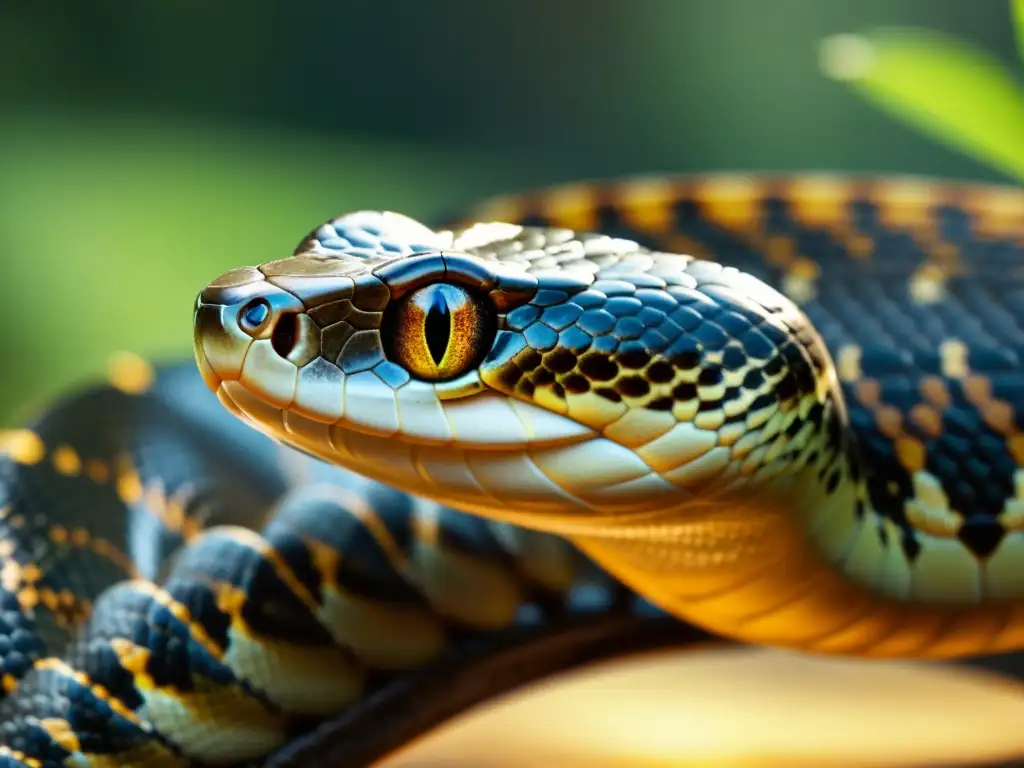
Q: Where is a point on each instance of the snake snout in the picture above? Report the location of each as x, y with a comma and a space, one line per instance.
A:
258, 315
250, 331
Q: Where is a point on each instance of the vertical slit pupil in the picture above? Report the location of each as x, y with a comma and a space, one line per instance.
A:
438, 326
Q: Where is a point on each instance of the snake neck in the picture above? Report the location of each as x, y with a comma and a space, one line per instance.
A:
791, 476
786, 548
796, 554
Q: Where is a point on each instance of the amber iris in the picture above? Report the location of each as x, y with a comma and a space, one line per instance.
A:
439, 332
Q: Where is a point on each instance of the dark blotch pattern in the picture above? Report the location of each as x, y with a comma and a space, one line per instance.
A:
644, 321
862, 297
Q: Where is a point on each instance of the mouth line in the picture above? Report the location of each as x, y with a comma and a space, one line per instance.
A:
464, 444
510, 425
487, 422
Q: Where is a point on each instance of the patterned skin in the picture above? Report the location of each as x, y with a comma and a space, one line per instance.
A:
681, 422
348, 589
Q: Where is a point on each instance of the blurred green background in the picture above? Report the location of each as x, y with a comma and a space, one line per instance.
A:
145, 147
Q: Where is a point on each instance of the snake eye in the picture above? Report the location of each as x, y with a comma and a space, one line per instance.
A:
254, 315
439, 332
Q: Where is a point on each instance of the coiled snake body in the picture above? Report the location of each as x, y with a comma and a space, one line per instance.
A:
806, 432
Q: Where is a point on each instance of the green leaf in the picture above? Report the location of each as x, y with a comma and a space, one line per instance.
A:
938, 85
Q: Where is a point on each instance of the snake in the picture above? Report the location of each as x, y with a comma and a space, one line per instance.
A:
412, 467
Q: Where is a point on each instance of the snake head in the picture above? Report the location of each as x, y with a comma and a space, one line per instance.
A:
513, 371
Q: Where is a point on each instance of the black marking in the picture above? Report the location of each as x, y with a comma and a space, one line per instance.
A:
981, 535
560, 360
542, 377
661, 372
753, 379
710, 376
598, 367
529, 360
786, 388
635, 357
687, 359
633, 386
576, 384
911, 546
511, 377
859, 509
285, 334
279, 613
883, 535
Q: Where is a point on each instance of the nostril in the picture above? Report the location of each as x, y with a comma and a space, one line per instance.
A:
254, 315
285, 334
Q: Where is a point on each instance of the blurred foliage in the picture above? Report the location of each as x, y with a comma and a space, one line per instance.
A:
942, 86
146, 147
108, 238
1017, 9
